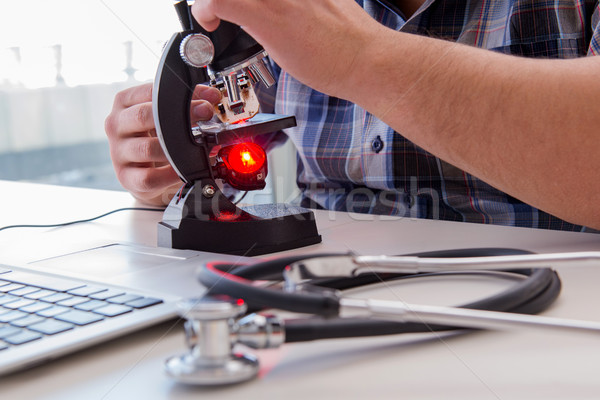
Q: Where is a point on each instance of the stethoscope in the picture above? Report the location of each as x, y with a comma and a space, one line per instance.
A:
317, 285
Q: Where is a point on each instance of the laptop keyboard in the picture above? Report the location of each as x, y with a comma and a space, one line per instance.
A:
33, 306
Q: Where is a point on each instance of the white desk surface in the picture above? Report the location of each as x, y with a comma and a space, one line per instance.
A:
483, 365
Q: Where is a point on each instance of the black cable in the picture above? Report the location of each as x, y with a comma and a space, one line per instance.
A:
82, 220
240, 199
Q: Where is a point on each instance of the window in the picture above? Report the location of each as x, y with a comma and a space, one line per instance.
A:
61, 63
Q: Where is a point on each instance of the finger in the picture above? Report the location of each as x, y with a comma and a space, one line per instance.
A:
203, 101
148, 180
208, 93
160, 199
138, 118
204, 12
139, 150
132, 96
143, 94
201, 111
135, 120
209, 13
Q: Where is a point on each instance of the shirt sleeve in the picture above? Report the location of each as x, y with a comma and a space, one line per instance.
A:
594, 47
267, 98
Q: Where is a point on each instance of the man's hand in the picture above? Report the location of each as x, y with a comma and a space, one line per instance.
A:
139, 161
319, 42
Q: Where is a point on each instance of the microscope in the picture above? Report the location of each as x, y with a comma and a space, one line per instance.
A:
201, 216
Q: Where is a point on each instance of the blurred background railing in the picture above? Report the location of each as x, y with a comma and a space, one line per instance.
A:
55, 134
61, 64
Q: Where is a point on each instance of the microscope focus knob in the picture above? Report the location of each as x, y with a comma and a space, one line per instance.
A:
197, 50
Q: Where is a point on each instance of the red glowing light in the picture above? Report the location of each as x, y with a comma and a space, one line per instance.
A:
226, 216
246, 158
241, 121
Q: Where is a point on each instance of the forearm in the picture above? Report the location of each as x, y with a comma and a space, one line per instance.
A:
526, 126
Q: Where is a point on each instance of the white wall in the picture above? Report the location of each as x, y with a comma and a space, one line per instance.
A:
45, 118
56, 116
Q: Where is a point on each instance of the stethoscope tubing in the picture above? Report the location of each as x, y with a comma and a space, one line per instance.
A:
537, 289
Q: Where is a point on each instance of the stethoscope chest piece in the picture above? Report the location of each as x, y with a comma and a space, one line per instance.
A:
210, 361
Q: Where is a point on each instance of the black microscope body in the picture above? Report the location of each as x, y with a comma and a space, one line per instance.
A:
201, 217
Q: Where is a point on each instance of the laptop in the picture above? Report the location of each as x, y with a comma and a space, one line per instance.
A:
57, 304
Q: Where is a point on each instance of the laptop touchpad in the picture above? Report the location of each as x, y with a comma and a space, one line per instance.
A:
113, 260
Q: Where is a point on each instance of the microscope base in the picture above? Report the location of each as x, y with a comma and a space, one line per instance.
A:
279, 227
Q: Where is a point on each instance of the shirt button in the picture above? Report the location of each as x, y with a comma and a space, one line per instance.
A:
409, 200
377, 144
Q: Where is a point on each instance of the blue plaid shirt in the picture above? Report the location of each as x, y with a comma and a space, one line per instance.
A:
351, 161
